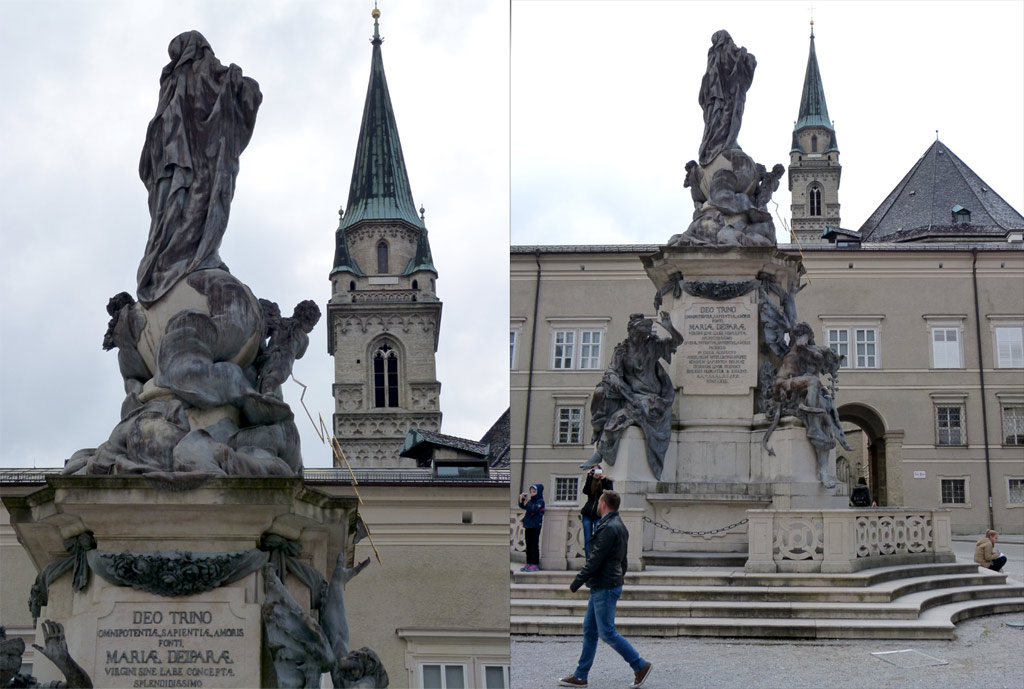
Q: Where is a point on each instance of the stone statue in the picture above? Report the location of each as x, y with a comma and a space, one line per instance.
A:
296, 644
202, 360
636, 390
55, 649
730, 191
723, 94
796, 387
203, 122
301, 649
288, 339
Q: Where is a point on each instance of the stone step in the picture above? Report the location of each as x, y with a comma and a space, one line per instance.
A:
906, 607
936, 623
725, 576
883, 592
674, 559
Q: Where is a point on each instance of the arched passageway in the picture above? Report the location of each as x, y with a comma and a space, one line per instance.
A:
878, 453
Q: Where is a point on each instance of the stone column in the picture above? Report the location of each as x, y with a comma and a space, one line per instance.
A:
894, 467
761, 548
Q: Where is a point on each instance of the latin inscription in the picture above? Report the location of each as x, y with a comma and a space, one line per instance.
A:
720, 347
165, 644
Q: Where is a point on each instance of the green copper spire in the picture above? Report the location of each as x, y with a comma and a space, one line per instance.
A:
380, 185
422, 260
813, 111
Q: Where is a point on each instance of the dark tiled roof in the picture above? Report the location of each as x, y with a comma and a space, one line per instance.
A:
440, 439
498, 439
959, 245
920, 207
583, 248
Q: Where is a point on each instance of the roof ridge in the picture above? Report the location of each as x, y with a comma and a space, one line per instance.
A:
883, 209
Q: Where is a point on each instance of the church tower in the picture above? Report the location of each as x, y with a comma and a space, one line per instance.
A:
384, 314
814, 168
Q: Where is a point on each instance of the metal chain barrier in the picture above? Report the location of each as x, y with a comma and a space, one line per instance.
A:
694, 533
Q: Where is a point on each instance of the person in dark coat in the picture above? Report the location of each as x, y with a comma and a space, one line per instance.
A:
532, 521
861, 494
604, 574
595, 484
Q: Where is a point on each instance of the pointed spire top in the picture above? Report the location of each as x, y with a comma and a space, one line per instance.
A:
813, 111
380, 184
376, 26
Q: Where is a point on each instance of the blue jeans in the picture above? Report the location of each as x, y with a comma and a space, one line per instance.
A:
599, 622
588, 531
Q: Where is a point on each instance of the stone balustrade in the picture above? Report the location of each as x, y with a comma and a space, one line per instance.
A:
561, 537
827, 541
847, 540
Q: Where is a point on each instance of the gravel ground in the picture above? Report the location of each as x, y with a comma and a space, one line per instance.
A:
985, 653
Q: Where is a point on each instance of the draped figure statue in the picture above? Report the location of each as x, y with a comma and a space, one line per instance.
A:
203, 122
723, 94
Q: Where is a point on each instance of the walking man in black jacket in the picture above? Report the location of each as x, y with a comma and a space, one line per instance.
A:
603, 574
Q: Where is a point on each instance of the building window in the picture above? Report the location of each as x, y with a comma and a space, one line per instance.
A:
839, 342
567, 488
1015, 491
496, 677
867, 347
385, 377
946, 348
858, 338
949, 425
577, 349
1013, 425
1010, 347
443, 676
569, 426
590, 349
814, 143
382, 257
564, 349
953, 491
814, 198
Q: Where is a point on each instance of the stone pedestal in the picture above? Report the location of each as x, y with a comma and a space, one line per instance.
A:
122, 636
715, 467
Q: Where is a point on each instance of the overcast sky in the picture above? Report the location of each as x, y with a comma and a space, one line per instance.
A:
80, 82
605, 112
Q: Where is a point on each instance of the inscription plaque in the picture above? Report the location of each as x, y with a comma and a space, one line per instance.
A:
719, 350
177, 644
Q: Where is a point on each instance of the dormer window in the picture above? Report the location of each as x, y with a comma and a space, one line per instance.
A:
961, 216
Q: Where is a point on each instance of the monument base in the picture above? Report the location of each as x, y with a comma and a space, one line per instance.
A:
172, 593
712, 476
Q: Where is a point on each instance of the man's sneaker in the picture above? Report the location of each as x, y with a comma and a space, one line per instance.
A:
572, 681
640, 677
534, 568
525, 569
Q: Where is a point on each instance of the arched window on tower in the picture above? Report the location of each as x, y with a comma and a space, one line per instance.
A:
814, 200
385, 376
814, 143
382, 257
